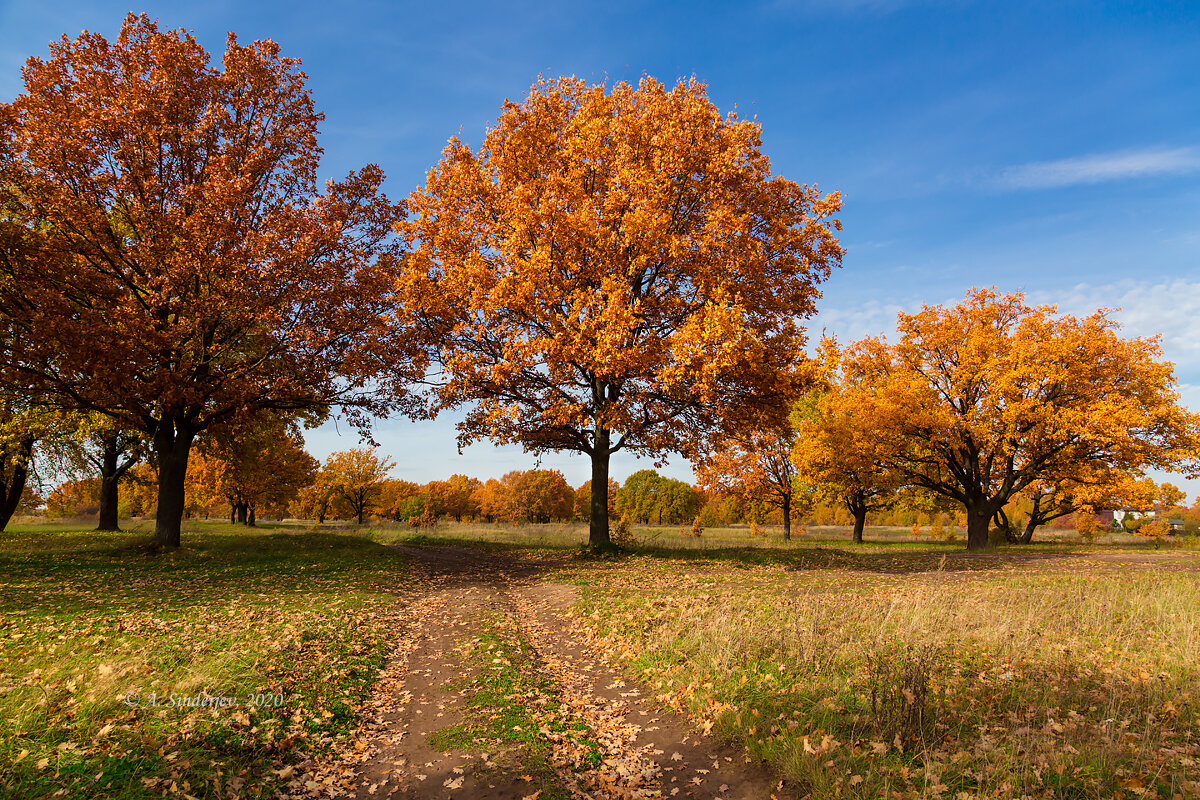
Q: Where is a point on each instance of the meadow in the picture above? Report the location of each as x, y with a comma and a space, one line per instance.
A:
899, 668
126, 673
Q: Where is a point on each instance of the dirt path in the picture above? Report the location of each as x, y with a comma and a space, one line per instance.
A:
490, 693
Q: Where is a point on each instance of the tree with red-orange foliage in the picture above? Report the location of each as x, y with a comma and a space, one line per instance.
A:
187, 270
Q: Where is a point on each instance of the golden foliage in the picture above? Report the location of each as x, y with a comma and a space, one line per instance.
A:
614, 268
978, 402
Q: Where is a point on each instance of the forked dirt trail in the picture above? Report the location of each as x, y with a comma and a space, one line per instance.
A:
490, 695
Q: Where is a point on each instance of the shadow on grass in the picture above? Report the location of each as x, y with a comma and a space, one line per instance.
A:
78, 570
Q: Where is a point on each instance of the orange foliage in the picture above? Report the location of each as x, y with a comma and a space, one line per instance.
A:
978, 402
209, 277
756, 465
355, 478
615, 267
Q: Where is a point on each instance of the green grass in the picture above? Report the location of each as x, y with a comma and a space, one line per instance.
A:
102, 639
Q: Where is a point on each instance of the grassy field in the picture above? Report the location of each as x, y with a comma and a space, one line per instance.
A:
205, 672
897, 669
878, 673
908, 668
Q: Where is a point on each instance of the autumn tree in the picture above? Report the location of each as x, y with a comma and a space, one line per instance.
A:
187, 270
978, 402
315, 500
838, 450
492, 499
393, 496
615, 268
356, 477
538, 495
261, 463
1090, 488
754, 464
453, 496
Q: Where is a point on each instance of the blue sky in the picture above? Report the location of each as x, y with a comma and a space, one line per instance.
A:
1051, 147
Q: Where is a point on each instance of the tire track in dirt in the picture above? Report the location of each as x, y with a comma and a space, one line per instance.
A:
647, 751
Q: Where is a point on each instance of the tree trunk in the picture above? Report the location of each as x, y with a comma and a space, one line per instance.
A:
109, 498
172, 446
860, 524
787, 518
109, 480
15, 472
232, 513
978, 520
241, 513
250, 518
1030, 527
598, 518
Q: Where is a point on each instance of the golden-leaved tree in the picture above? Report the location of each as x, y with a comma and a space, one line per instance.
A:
978, 402
356, 479
173, 262
756, 465
614, 268
837, 449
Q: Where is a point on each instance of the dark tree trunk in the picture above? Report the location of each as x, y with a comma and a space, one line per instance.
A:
860, 524
250, 518
232, 513
15, 471
598, 518
1030, 527
113, 446
858, 509
241, 513
979, 518
172, 446
109, 499
787, 518
109, 458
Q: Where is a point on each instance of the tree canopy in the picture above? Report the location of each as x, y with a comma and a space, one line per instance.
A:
171, 261
980, 401
614, 268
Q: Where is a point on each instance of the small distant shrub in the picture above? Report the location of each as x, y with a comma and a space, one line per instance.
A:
754, 531
620, 534
428, 518
1087, 526
697, 527
916, 529
1156, 528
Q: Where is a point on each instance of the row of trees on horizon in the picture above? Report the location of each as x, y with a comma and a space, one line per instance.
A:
278, 480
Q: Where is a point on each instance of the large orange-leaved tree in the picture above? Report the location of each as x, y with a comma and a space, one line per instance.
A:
979, 402
180, 266
614, 268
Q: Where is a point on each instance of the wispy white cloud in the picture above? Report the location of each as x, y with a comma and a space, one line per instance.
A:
1100, 167
1170, 309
